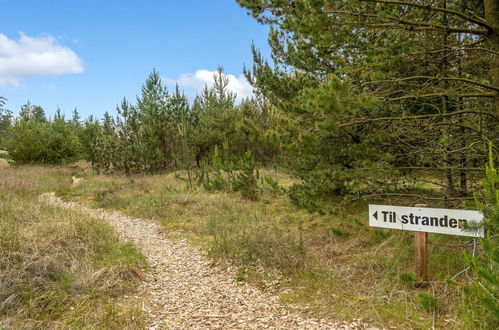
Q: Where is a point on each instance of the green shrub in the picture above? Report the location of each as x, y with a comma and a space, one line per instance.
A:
246, 181
428, 301
33, 141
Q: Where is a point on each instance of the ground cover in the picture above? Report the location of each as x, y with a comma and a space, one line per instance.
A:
328, 265
60, 268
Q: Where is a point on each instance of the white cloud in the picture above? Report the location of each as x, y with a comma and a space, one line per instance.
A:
32, 56
195, 82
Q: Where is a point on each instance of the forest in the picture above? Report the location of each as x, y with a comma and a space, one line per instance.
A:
381, 101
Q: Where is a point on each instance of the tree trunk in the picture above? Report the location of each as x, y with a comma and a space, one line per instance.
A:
492, 19
444, 68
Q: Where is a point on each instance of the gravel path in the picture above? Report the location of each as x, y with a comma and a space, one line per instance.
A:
182, 291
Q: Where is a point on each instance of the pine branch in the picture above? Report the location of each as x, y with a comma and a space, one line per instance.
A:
416, 26
400, 118
415, 96
465, 80
473, 19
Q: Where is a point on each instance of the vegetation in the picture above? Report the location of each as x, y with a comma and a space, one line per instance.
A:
381, 96
5, 123
393, 102
332, 264
59, 269
486, 266
164, 132
35, 139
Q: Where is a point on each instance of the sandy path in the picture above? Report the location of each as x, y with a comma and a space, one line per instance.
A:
181, 290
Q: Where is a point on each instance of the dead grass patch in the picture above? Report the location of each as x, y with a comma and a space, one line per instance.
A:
4, 163
14, 183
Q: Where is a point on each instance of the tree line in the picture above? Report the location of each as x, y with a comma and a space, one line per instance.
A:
162, 131
362, 98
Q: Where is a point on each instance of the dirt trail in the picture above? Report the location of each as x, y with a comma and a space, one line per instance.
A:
181, 290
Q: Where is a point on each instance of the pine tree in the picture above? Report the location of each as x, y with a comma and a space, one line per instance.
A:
104, 149
487, 266
407, 86
156, 124
127, 128
90, 133
34, 139
5, 122
179, 104
35, 112
63, 143
59, 116
183, 118
246, 181
76, 117
216, 116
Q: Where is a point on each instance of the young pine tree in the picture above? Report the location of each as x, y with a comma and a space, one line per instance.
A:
487, 266
155, 118
5, 123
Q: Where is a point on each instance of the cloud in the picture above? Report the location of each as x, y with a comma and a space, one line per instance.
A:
193, 83
32, 56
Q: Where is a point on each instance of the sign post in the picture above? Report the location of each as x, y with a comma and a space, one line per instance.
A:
423, 220
421, 254
421, 248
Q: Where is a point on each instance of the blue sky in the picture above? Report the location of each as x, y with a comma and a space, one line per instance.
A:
90, 54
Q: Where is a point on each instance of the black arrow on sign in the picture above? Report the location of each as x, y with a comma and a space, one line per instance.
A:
375, 215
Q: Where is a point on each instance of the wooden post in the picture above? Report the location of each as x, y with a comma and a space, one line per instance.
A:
421, 249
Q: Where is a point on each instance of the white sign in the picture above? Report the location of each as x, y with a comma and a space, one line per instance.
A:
441, 221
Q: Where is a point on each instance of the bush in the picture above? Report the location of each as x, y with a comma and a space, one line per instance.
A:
33, 141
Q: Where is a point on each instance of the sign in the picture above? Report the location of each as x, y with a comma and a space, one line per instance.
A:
441, 221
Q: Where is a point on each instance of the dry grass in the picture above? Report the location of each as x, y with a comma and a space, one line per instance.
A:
59, 269
4, 163
331, 264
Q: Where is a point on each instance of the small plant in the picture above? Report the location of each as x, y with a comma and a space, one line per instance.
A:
211, 177
220, 175
241, 276
408, 279
303, 195
428, 301
339, 232
272, 185
246, 181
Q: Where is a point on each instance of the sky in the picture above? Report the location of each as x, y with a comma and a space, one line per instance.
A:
89, 54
